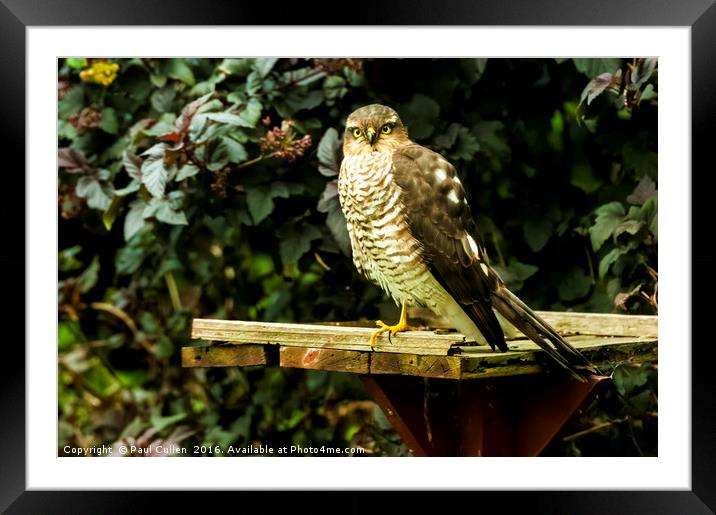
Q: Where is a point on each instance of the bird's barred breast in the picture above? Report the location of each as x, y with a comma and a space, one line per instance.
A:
383, 248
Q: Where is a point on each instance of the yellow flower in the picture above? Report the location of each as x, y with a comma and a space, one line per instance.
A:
100, 72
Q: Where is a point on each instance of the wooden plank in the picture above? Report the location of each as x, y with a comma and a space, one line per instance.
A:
224, 356
598, 324
447, 367
580, 342
523, 358
324, 359
426, 343
329, 337
527, 358
602, 324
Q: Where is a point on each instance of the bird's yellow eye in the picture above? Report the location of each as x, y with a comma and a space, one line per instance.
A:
357, 133
387, 129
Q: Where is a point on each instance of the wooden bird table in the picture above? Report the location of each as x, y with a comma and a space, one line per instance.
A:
444, 397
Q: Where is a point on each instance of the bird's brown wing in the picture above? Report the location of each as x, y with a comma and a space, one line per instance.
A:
440, 219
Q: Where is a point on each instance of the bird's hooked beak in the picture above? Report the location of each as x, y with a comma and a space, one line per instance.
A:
371, 134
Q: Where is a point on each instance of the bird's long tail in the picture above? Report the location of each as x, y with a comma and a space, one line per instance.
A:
536, 329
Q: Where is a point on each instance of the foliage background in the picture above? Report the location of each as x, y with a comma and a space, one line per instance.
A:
206, 188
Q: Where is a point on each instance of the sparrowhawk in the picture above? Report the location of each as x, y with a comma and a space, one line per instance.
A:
412, 233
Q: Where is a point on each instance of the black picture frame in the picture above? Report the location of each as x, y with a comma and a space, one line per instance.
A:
699, 15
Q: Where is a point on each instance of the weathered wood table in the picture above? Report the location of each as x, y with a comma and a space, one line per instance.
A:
443, 396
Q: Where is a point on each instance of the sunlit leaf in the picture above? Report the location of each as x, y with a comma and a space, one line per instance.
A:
178, 69
154, 172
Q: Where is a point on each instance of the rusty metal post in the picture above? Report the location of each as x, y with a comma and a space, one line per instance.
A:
509, 416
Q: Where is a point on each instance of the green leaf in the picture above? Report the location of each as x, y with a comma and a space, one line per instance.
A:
132, 378
158, 129
576, 285
132, 164
69, 333
98, 195
487, 135
251, 112
162, 99
591, 67
329, 197
109, 122
420, 115
264, 65
336, 223
72, 102
134, 220
110, 214
295, 242
158, 79
609, 259
67, 260
163, 211
186, 171
229, 118
100, 380
232, 66
467, 145
609, 216
302, 76
583, 177
473, 69
648, 213
154, 173
329, 149
537, 232
164, 348
334, 87
226, 150
516, 274
159, 423
65, 130
629, 378
260, 203
629, 226
135, 81
259, 265
179, 70
253, 83
279, 190
648, 93
640, 160
129, 259
299, 101
643, 71
76, 63
133, 186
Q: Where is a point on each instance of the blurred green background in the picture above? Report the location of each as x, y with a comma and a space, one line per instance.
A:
207, 188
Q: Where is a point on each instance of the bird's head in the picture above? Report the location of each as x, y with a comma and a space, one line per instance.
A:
373, 128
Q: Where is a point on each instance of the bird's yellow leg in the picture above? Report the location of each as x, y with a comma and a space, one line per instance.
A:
402, 325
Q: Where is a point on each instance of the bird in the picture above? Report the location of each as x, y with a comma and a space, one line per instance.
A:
412, 233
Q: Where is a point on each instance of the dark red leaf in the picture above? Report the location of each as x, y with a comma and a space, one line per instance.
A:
174, 137
73, 161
